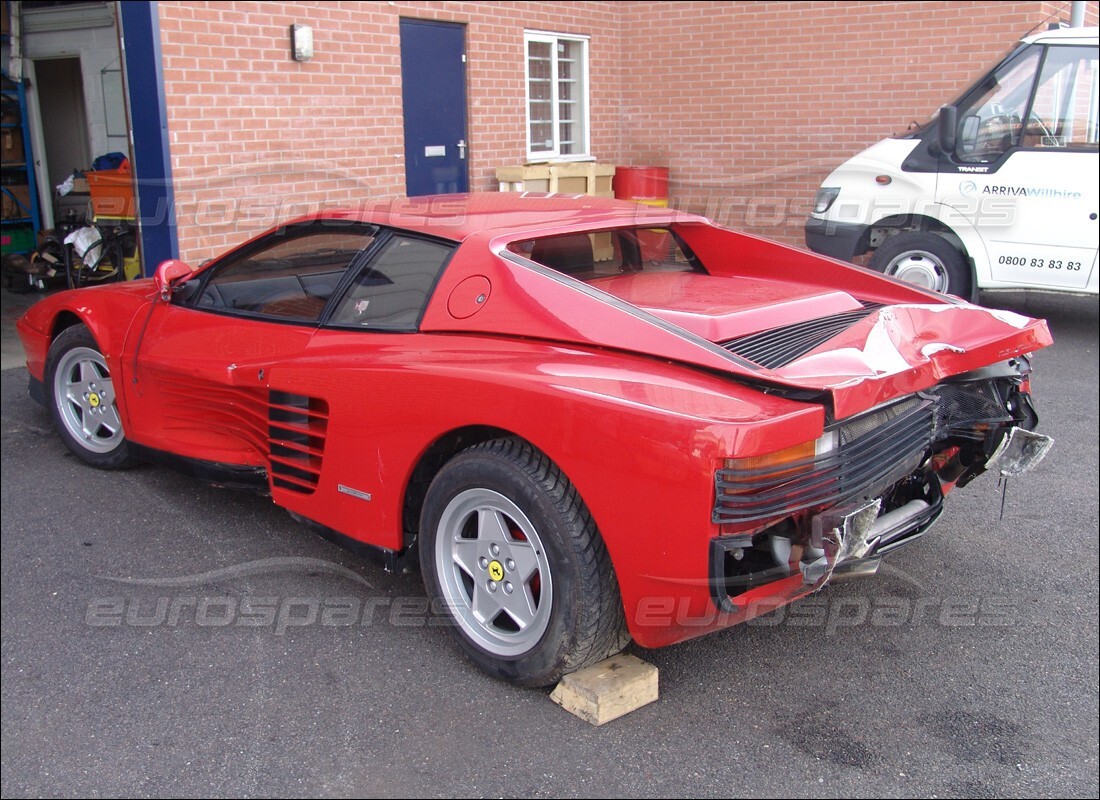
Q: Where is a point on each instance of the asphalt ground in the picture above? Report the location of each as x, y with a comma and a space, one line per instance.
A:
164, 637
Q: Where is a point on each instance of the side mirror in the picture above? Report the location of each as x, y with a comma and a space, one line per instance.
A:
949, 120
168, 273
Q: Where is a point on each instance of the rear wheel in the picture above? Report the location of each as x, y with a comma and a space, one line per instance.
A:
509, 549
81, 397
926, 260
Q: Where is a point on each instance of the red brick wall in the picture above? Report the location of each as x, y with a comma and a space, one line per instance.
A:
749, 104
257, 137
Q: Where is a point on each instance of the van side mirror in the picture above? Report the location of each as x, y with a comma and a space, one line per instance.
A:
168, 273
949, 120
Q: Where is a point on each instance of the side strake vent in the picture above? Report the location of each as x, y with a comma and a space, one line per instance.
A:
779, 347
296, 440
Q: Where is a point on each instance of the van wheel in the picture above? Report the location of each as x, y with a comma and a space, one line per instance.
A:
925, 260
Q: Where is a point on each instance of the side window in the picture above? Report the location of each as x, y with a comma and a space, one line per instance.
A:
1059, 110
1064, 112
289, 275
392, 289
992, 122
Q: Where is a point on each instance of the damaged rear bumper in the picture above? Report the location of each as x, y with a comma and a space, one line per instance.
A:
852, 539
847, 540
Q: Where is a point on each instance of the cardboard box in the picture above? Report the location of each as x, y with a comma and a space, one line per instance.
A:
11, 146
566, 178
9, 195
585, 177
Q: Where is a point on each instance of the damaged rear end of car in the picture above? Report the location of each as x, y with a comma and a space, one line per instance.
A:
919, 394
870, 484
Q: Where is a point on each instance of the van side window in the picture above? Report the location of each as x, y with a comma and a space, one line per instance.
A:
1058, 111
992, 122
1064, 111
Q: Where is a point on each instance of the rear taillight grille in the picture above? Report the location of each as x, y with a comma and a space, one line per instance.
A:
873, 451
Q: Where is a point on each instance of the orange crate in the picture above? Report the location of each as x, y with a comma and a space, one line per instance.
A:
112, 193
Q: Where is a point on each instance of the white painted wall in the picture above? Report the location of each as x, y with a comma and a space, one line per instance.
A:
98, 51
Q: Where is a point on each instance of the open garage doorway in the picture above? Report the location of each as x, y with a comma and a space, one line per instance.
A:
60, 86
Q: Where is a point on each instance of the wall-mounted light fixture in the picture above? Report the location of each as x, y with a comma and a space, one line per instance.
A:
301, 42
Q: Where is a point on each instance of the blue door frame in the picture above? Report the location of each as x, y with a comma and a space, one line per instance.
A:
152, 166
433, 96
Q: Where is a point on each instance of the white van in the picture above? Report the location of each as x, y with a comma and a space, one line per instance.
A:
998, 191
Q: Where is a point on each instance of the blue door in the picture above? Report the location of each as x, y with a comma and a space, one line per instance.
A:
433, 93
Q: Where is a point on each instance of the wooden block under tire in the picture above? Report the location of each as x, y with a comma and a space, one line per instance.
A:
607, 690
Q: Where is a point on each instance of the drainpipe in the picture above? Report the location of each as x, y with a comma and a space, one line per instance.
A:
1077, 14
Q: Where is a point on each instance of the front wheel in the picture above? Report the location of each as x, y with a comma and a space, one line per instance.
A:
926, 260
81, 397
512, 554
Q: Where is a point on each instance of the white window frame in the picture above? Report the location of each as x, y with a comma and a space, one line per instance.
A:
586, 118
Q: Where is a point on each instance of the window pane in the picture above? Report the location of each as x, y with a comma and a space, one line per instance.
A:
291, 276
565, 139
539, 50
539, 111
556, 112
540, 92
541, 140
992, 123
1064, 111
571, 111
392, 290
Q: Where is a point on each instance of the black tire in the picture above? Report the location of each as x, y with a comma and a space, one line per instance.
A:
555, 607
81, 399
926, 260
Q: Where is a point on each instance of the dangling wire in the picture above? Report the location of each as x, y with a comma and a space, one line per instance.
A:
1004, 491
